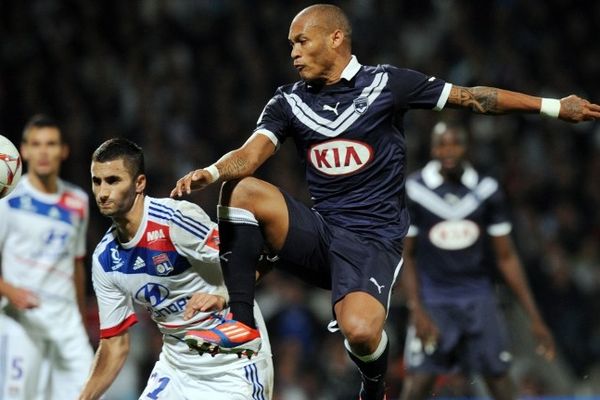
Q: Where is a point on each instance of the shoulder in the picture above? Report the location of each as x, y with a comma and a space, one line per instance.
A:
75, 190
415, 178
179, 213
103, 245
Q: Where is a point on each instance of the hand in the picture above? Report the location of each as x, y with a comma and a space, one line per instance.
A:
576, 109
203, 302
193, 180
22, 299
426, 330
545, 342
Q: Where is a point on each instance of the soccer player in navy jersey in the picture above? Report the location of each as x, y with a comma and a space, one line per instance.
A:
458, 217
346, 121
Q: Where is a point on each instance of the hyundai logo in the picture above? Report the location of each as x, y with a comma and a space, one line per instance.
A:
152, 293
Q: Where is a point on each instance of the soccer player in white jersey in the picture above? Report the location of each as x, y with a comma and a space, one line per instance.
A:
44, 348
162, 254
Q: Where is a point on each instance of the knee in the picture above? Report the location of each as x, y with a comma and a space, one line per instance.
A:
241, 193
361, 334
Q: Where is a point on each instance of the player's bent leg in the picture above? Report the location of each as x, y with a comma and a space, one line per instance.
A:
265, 202
417, 386
501, 387
361, 318
250, 211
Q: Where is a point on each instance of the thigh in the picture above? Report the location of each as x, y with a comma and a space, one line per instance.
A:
446, 355
304, 253
360, 265
487, 347
21, 361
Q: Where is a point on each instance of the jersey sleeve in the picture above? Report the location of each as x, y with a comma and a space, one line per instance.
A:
497, 219
415, 90
114, 305
194, 234
274, 122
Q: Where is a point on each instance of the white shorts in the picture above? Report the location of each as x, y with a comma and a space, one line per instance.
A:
33, 366
253, 381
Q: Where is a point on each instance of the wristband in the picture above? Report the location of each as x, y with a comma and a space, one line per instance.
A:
550, 107
213, 171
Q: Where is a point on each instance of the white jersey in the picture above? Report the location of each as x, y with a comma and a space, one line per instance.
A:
173, 255
41, 236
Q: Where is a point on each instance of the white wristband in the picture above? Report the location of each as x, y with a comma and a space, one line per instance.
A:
550, 107
213, 171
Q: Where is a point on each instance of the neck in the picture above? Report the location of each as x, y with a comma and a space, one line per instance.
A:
45, 184
337, 68
128, 224
453, 175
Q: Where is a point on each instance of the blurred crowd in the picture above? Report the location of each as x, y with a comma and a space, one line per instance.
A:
187, 79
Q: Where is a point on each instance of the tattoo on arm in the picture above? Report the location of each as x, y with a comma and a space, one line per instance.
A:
480, 99
233, 167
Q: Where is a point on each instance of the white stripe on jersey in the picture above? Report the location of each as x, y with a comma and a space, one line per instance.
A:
437, 205
163, 212
334, 128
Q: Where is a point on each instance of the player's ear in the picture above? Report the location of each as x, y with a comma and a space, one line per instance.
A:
337, 38
24, 150
64, 151
140, 183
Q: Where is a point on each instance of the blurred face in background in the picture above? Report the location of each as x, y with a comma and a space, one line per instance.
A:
115, 190
449, 148
44, 151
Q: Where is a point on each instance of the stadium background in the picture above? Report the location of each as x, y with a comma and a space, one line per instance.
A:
187, 79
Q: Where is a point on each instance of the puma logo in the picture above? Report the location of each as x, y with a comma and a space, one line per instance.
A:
379, 287
327, 107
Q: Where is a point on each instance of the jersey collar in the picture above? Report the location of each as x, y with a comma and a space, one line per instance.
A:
433, 179
351, 69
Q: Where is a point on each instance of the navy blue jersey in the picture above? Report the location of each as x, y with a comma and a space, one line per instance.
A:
452, 222
351, 140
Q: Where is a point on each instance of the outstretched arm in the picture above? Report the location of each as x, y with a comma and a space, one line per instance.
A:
235, 164
510, 267
489, 100
109, 360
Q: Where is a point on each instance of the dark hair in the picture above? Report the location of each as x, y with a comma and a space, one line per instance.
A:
40, 121
121, 148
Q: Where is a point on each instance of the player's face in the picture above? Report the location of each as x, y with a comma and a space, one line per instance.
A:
311, 52
115, 190
449, 151
44, 151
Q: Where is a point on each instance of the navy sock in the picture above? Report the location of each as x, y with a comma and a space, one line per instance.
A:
373, 368
240, 246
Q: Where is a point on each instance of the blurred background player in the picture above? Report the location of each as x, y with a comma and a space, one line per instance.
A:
43, 343
346, 120
458, 217
164, 255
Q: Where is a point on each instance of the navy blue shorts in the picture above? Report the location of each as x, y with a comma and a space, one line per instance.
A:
334, 258
473, 340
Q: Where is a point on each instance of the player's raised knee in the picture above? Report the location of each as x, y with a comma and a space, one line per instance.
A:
244, 193
360, 332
